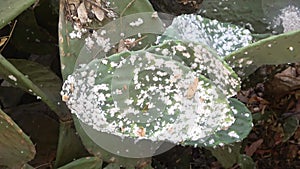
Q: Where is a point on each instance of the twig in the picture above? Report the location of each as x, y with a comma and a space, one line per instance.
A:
9, 36
128, 5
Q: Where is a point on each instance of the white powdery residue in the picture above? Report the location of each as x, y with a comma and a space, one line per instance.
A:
103, 43
103, 32
186, 54
74, 35
180, 48
136, 23
223, 38
216, 71
77, 32
104, 61
233, 134
113, 64
159, 73
12, 77
128, 101
165, 52
89, 42
104, 87
290, 18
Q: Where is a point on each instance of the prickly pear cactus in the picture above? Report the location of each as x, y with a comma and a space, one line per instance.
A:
73, 32
177, 91
203, 60
75, 42
144, 95
16, 149
86, 162
222, 37
246, 12
261, 16
279, 49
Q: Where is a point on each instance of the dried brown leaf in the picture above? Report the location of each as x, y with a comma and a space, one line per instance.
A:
82, 13
253, 147
122, 47
99, 13
3, 40
192, 88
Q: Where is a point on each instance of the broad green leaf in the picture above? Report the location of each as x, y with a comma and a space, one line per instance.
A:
5, 95
290, 125
112, 166
30, 37
37, 80
107, 156
227, 155
16, 149
261, 16
246, 162
68, 138
11, 9
246, 13
84, 163
128, 7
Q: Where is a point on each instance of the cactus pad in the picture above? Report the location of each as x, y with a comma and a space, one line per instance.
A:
16, 149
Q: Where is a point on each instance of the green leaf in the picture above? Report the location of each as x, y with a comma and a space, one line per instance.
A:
29, 37
246, 162
227, 155
11, 9
104, 154
290, 126
68, 138
5, 96
16, 148
128, 7
246, 12
86, 163
69, 48
279, 49
112, 166
37, 80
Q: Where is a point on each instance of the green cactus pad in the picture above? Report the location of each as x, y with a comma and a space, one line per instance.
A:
144, 95
86, 163
224, 38
261, 16
236, 132
70, 47
37, 80
246, 12
203, 61
16, 149
279, 49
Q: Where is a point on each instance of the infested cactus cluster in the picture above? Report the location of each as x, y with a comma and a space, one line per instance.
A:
129, 76
176, 91
179, 90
